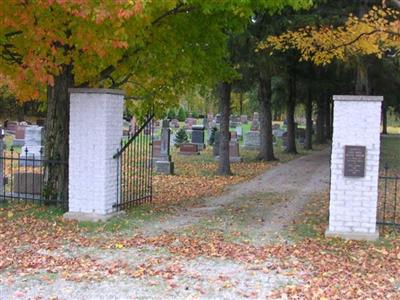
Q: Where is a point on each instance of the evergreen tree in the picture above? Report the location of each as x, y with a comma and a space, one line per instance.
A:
180, 137
181, 114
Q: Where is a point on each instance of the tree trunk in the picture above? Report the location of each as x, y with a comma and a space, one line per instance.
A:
241, 103
57, 136
291, 107
309, 122
224, 167
320, 126
384, 118
362, 81
328, 128
264, 97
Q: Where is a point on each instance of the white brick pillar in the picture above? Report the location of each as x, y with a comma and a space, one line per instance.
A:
95, 133
355, 167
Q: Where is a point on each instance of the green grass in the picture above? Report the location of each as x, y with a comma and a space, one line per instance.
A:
132, 219
390, 152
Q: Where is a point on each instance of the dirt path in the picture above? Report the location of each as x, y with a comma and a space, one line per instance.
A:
274, 197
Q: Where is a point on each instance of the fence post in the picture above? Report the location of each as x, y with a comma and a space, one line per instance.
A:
96, 125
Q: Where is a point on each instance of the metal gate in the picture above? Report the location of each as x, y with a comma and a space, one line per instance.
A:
388, 202
135, 167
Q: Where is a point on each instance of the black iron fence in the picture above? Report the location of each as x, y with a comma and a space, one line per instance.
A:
135, 167
23, 178
388, 202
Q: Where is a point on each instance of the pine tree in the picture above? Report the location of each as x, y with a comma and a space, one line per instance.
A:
180, 137
181, 114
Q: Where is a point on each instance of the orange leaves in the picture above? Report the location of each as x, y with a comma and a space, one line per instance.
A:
44, 35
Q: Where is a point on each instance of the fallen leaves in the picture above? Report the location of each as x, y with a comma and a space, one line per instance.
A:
196, 178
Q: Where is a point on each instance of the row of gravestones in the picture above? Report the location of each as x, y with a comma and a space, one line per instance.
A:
252, 138
211, 121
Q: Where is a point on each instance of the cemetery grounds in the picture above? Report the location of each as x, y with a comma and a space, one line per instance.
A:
257, 234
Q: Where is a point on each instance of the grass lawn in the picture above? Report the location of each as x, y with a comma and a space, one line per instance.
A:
390, 153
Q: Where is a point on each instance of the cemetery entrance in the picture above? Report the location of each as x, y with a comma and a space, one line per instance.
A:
135, 166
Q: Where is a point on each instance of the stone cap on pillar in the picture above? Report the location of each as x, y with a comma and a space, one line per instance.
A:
95, 91
357, 98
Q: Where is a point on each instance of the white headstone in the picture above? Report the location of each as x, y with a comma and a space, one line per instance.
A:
33, 142
355, 167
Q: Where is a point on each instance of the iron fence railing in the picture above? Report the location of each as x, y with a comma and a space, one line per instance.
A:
23, 178
388, 202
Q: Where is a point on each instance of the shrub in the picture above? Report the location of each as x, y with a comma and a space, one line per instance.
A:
181, 115
180, 137
171, 114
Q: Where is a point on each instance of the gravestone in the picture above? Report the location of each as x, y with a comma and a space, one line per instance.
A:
255, 125
27, 183
239, 132
206, 124
189, 122
256, 116
252, 140
278, 132
234, 155
243, 119
156, 150
174, 123
301, 135
19, 139
285, 140
355, 167
189, 149
198, 136
234, 122
164, 165
11, 126
276, 126
33, 146
157, 123
233, 136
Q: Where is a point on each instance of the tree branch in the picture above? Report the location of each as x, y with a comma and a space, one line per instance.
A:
105, 73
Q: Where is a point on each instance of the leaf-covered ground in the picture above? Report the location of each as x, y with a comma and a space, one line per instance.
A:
216, 256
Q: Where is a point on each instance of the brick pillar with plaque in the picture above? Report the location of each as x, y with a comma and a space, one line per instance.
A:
355, 167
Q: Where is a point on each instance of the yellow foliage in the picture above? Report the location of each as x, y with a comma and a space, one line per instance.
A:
376, 33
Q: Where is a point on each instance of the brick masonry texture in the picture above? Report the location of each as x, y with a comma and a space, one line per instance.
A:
95, 135
353, 201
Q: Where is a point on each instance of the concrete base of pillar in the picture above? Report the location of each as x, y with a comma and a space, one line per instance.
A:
91, 217
359, 236
164, 167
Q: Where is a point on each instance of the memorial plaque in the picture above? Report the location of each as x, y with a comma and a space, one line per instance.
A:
354, 161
